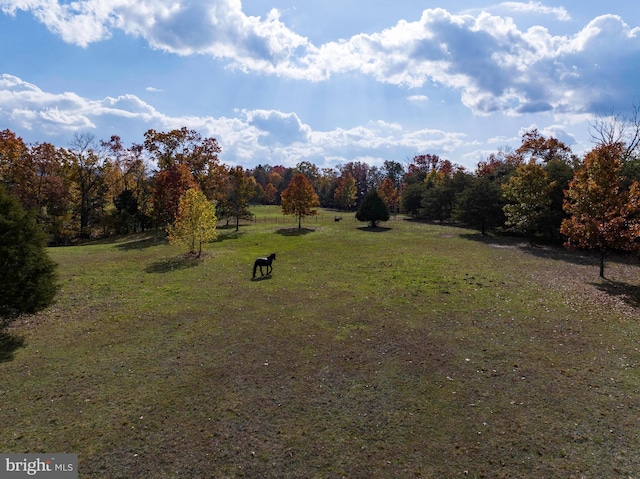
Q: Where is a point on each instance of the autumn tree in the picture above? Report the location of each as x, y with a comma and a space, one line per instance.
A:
499, 166
327, 187
184, 147
603, 215
299, 199
240, 190
195, 222
129, 182
270, 194
420, 166
87, 168
346, 192
52, 191
169, 186
258, 192
557, 160
389, 194
275, 178
17, 173
528, 196
360, 172
394, 171
373, 209
538, 148
311, 171
260, 173
27, 274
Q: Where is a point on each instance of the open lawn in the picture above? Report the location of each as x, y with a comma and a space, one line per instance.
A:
409, 351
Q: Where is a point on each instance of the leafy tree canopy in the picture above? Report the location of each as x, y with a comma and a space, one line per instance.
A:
195, 223
299, 198
604, 215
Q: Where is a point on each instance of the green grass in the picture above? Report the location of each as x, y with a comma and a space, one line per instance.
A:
414, 351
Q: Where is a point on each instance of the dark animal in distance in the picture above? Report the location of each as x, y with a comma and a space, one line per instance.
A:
337, 218
260, 262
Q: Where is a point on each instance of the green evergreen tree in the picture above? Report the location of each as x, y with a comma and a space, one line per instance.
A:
373, 209
27, 274
480, 205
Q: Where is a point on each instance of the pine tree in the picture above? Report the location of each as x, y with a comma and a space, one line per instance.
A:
373, 209
27, 274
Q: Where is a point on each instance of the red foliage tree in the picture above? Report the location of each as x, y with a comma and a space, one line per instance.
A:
170, 184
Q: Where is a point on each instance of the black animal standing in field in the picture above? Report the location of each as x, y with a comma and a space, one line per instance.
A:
260, 262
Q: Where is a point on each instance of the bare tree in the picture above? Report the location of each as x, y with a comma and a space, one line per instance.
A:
618, 129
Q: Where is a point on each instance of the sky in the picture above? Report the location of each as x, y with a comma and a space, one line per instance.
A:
283, 81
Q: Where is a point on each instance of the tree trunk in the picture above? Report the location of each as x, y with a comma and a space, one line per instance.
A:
602, 254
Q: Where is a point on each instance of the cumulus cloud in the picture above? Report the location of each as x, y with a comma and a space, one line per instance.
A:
495, 65
27, 106
218, 28
278, 128
250, 137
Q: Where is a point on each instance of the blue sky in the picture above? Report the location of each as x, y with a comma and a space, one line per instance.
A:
284, 81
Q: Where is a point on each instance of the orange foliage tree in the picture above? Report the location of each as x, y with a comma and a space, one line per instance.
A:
389, 195
299, 198
603, 215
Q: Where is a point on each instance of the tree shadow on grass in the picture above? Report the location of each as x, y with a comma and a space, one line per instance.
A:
142, 243
374, 229
228, 236
9, 344
294, 231
182, 261
547, 251
629, 293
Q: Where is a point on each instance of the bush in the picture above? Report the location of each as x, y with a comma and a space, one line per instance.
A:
27, 274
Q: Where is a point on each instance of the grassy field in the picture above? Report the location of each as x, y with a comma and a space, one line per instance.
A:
410, 351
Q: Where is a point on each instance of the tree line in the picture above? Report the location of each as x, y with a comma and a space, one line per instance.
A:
98, 188
541, 189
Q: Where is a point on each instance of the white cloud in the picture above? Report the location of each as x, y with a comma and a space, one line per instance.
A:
27, 106
496, 66
252, 136
278, 128
536, 8
418, 98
